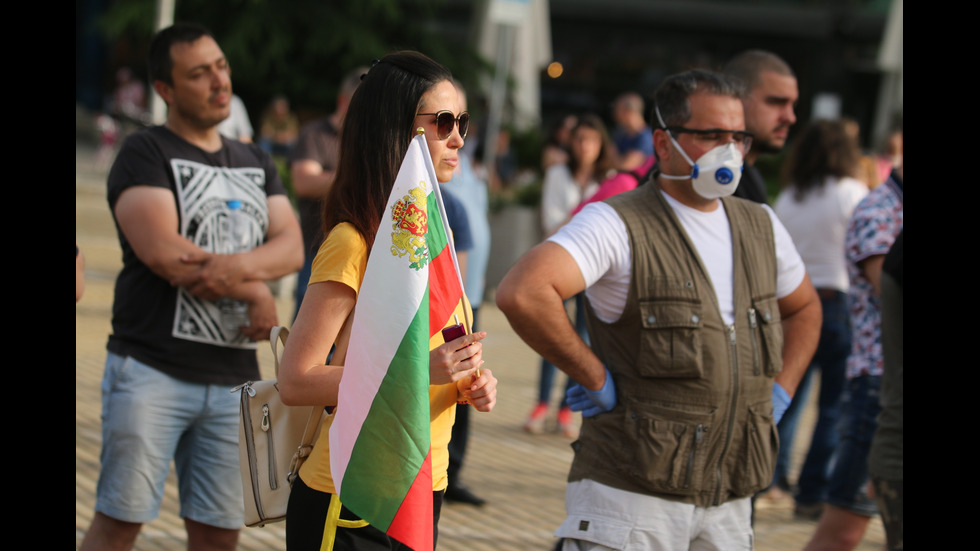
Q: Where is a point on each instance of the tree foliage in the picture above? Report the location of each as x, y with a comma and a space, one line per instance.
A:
303, 48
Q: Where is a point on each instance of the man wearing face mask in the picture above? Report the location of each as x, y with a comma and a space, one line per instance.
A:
702, 321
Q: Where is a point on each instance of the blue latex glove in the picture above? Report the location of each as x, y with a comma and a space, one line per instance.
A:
780, 401
592, 402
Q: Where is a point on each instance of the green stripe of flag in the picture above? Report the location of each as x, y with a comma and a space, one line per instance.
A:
394, 439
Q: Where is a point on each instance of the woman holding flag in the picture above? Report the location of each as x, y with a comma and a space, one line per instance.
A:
403, 94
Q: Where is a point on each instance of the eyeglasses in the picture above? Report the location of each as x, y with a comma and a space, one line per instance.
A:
741, 139
445, 121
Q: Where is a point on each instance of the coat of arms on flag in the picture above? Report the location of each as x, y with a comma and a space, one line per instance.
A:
411, 224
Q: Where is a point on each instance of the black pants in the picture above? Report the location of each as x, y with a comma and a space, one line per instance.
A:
306, 518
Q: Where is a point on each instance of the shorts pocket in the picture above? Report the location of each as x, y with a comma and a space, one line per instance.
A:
604, 531
670, 453
670, 342
758, 452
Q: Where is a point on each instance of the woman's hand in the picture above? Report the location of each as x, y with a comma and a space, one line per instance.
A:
480, 392
457, 359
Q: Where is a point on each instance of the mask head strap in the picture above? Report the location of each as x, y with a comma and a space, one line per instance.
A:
677, 146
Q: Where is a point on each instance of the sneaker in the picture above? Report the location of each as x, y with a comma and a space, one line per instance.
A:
566, 423
535, 421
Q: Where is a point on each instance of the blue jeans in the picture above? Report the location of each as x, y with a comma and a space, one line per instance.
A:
150, 418
831, 359
548, 369
848, 484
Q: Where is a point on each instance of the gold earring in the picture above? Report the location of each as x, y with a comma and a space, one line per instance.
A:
420, 131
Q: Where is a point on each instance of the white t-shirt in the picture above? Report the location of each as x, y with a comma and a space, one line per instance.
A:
599, 243
560, 194
818, 225
237, 123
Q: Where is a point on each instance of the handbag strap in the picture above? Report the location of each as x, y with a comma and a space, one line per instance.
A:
312, 424
278, 333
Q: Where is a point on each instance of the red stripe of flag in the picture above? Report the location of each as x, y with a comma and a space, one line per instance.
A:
413, 521
444, 291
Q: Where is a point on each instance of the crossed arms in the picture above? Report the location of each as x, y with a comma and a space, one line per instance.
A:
147, 217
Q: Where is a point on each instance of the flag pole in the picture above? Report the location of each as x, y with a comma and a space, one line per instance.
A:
467, 322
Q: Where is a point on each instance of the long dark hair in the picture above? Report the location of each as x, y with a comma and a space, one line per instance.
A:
375, 136
603, 162
824, 150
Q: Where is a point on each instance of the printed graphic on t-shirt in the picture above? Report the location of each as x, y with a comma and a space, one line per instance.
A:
222, 210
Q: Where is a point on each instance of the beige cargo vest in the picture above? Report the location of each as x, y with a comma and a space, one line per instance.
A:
693, 420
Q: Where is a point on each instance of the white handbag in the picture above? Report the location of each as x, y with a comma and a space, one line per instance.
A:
273, 442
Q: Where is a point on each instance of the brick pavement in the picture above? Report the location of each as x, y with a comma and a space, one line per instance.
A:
521, 476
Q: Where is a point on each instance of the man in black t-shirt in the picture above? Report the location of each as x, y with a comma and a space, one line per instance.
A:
203, 223
771, 93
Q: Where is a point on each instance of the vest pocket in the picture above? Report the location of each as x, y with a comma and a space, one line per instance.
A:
670, 343
754, 471
670, 448
767, 335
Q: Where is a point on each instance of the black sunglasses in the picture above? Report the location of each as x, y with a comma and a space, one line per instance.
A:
445, 121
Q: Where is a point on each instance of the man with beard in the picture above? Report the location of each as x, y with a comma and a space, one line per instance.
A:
771, 96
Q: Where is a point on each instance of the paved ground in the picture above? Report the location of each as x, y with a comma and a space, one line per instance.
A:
522, 476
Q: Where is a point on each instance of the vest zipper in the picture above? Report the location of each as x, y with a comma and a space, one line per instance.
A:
753, 323
731, 412
698, 436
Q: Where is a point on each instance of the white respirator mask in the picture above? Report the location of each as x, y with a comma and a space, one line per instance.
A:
715, 174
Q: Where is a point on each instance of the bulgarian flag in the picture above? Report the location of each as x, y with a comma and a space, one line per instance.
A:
380, 453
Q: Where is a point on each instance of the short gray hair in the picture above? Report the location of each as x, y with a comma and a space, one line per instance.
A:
671, 97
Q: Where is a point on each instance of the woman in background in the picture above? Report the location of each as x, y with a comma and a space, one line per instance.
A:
565, 185
819, 196
556, 149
